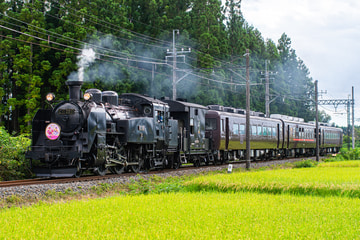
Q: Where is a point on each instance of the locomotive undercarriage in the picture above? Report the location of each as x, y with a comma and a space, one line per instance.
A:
270, 154
196, 158
54, 159
121, 157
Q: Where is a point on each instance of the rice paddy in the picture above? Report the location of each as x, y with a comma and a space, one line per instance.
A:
309, 203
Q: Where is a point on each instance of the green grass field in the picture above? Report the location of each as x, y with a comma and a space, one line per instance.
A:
223, 206
327, 179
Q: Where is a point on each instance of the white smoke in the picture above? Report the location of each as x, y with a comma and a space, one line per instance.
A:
87, 57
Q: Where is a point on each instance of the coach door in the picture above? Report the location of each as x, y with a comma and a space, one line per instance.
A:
278, 135
288, 136
281, 134
226, 133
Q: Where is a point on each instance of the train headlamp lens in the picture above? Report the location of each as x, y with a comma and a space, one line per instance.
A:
52, 131
50, 97
87, 96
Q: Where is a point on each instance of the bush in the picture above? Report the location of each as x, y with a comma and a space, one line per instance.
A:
306, 164
12, 156
345, 155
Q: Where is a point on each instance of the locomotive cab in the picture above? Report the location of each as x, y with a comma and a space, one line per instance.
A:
193, 144
151, 136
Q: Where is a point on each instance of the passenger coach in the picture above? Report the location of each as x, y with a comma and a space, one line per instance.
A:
279, 136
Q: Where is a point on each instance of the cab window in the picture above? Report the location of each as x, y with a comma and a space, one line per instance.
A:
210, 124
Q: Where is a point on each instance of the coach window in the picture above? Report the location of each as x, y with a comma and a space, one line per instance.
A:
273, 130
222, 125
242, 129
265, 133
191, 126
236, 129
253, 130
302, 133
259, 130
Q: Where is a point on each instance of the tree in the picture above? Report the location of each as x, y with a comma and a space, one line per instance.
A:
41, 41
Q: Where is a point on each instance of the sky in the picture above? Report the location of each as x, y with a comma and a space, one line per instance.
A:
325, 34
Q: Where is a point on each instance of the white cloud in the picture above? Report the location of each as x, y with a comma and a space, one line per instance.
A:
324, 33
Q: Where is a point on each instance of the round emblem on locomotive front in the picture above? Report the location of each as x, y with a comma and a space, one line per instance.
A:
52, 131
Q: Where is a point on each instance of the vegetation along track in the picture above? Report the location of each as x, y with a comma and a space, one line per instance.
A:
164, 172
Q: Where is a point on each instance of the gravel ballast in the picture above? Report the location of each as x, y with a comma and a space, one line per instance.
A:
38, 190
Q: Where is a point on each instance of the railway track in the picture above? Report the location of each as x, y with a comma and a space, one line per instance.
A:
40, 181
21, 182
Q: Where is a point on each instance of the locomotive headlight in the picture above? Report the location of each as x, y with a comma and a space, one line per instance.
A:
87, 96
50, 97
52, 131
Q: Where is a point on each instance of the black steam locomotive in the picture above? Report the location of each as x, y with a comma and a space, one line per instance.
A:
102, 131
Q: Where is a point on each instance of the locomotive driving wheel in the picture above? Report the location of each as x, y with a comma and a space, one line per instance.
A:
176, 162
78, 169
138, 167
119, 168
137, 156
100, 170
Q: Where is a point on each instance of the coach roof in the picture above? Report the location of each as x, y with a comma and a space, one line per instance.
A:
179, 106
139, 99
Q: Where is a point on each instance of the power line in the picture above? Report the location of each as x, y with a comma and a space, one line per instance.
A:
78, 53
123, 30
59, 36
117, 27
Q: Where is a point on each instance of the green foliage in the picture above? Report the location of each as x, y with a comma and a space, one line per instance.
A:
312, 203
154, 185
12, 156
306, 163
339, 180
101, 188
41, 60
345, 155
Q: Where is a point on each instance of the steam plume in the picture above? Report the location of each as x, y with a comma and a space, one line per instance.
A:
85, 59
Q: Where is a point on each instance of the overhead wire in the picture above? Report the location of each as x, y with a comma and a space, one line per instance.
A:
79, 26
79, 53
145, 37
59, 36
113, 26
142, 35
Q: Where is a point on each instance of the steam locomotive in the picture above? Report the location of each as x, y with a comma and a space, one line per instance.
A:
101, 131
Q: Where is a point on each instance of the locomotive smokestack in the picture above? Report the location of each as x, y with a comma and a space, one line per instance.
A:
74, 90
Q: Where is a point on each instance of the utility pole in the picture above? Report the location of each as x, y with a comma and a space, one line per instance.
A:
317, 121
347, 103
353, 116
267, 89
174, 56
247, 109
267, 92
348, 121
174, 64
